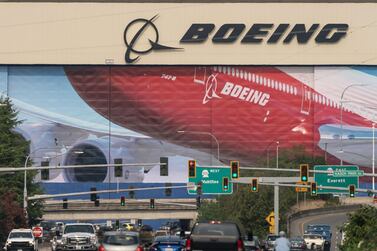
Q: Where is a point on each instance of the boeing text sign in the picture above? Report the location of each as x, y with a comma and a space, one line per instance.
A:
212, 180
339, 177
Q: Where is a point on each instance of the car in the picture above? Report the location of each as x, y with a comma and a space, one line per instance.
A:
21, 240
129, 227
161, 233
121, 241
146, 235
79, 236
252, 243
215, 236
270, 242
326, 236
168, 243
298, 244
314, 241
56, 243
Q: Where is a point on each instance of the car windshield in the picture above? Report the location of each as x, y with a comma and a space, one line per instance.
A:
272, 238
296, 239
78, 229
313, 236
20, 235
216, 229
121, 240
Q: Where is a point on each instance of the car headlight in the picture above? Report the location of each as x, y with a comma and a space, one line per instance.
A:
93, 239
8, 243
31, 243
64, 240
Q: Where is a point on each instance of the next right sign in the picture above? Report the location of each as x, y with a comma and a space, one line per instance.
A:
329, 179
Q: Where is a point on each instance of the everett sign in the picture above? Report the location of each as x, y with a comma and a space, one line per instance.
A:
329, 179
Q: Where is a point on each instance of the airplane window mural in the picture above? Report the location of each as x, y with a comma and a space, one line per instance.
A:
79, 115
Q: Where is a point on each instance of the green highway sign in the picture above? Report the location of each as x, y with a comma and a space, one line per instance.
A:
341, 176
349, 173
212, 179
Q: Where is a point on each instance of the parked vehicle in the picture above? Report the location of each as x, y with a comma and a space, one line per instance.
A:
21, 240
168, 243
216, 236
121, 241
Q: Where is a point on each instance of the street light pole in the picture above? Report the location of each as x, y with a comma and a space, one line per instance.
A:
373, 155
341, 116
206, 133
25, 204
277, 154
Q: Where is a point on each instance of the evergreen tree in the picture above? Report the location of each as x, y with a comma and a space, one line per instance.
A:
13, 151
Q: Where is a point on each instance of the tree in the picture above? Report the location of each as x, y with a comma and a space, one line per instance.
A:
11, 214
13, 151
361, 230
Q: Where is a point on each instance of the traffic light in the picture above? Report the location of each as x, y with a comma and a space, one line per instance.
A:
192, 168
117, 224
96, 202
151, 204
139, 222
168, 190
93, 196
304, 172
123, 201
45, 173
254, 185
235, 169
65, 203
131, 193
118, 169
164, 168
225, 184
313, 189
199, 186
352, 191
198, 202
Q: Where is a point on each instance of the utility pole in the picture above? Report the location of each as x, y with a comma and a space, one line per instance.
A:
276, 207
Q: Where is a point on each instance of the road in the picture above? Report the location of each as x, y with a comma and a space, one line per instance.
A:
335, 220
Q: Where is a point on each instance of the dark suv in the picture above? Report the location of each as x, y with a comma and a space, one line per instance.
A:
215, 236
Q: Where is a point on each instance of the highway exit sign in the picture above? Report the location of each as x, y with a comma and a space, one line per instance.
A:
212, 180
339, 176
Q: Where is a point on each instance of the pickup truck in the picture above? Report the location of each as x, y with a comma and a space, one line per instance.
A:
215, 236
79, 236
21, 240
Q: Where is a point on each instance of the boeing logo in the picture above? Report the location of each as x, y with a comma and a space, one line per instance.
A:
139, 42
131, 40
210, 89
234, 90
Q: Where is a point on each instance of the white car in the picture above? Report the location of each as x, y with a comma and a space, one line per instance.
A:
314, 241
21, 240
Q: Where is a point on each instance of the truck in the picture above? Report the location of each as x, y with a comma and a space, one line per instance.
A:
215, 236
79, 236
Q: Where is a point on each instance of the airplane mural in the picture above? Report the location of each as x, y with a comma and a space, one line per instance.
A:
141, 113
